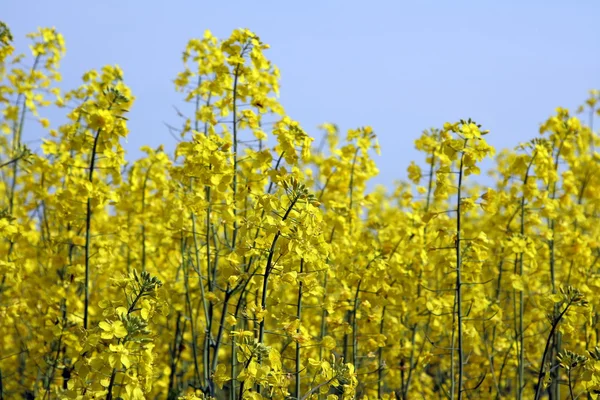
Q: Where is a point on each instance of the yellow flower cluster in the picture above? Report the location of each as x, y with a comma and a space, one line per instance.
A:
250, 264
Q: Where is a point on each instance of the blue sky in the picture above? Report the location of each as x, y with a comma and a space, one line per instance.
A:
398, 66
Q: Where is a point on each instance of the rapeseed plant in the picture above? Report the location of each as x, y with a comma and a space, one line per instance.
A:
252, 263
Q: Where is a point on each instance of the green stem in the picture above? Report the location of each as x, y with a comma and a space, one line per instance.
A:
235, 152
299, 317
88, 228
191, 313
113, 375
143, 216
380, 358
546, 349
175, 354
241, 395
355, 326
218, 341
571, 385
459, 282
17, 134
268, 270
412, 362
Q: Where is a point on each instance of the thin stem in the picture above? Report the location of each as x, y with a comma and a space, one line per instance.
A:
88, 228
570, 385
411, 362
299, 317
113, 375
241, 395
355, 326
268, 270
380, 358
235, 153
190, 311
218, 341
175, 353
458, 282
147, 176
555, 323
520, 332
17, 134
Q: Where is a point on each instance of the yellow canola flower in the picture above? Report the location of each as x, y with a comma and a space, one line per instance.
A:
101, 120
112, 329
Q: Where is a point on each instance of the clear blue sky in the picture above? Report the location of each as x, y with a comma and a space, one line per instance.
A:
398, 66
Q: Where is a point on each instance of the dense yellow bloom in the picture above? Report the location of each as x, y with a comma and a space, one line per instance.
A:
252, 263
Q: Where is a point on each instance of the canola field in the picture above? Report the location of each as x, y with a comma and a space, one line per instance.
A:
254, 262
